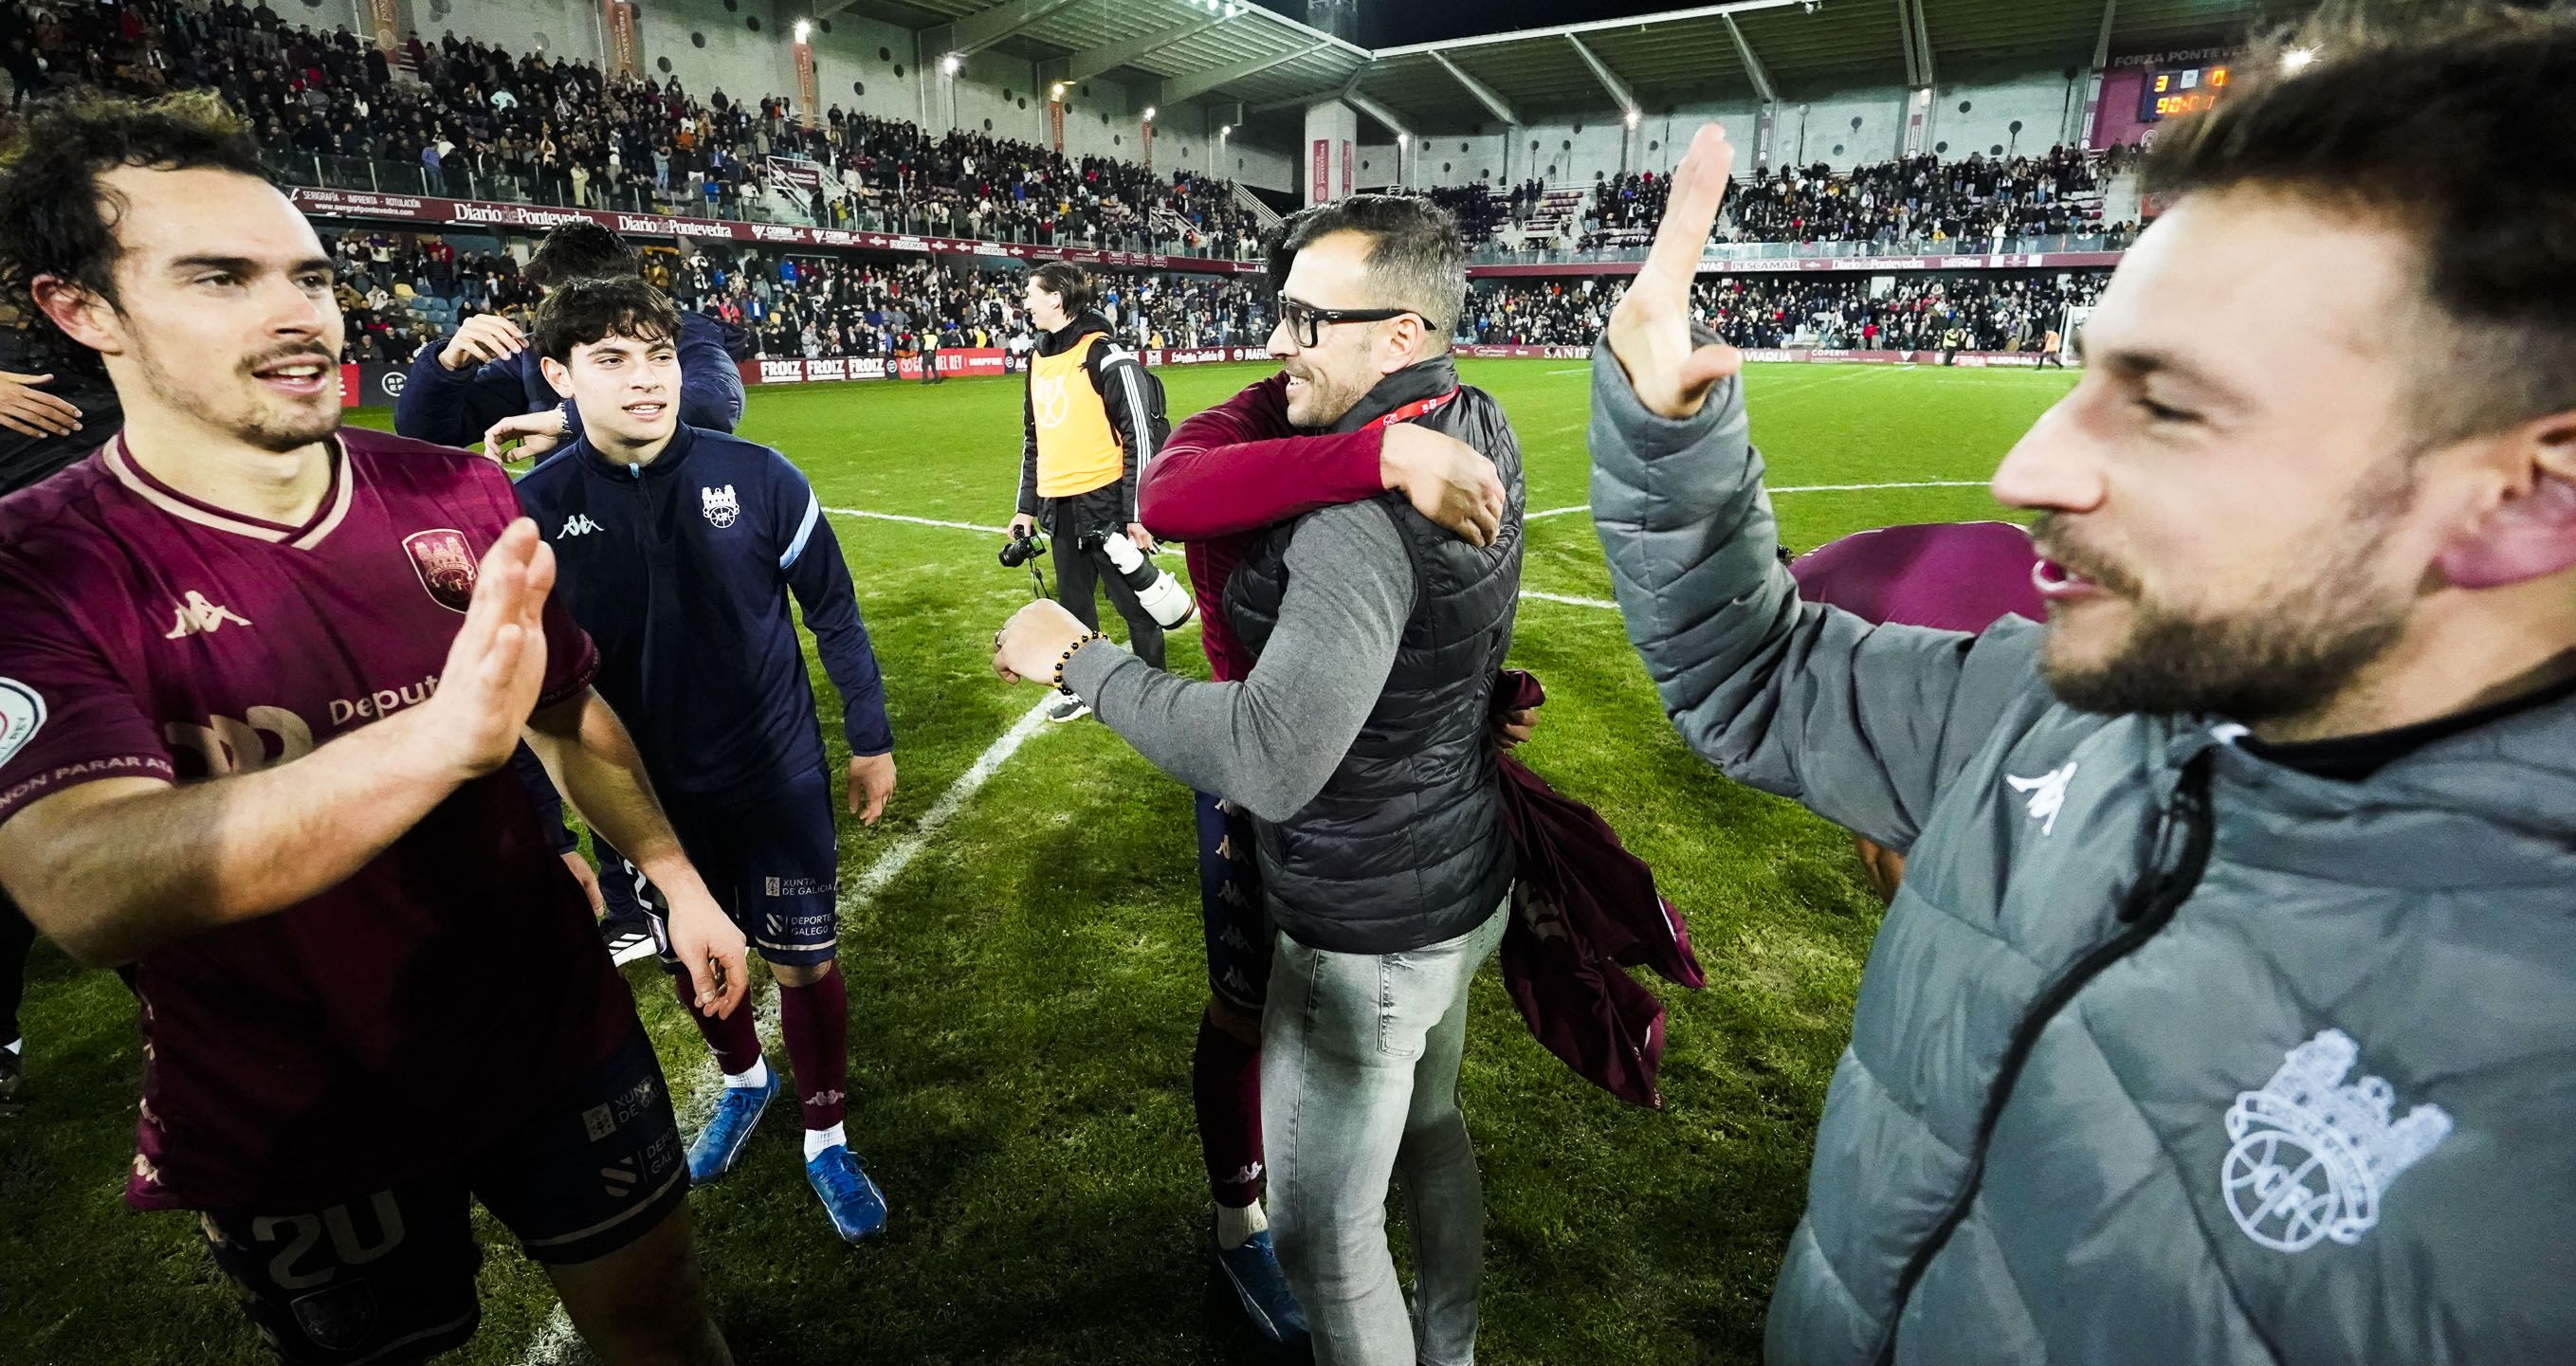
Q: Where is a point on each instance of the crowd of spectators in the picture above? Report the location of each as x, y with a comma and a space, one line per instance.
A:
1914, 201
783, 305
480, 122
1974, 312
1920, 198
821, 307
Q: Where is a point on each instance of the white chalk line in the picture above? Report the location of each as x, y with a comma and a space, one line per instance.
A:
556, 1341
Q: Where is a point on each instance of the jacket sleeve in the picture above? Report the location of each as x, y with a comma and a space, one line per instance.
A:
1271, 741
1239, 466
809, 559
1027, 505
710, 382
454, 407
1119, 377
1860, 724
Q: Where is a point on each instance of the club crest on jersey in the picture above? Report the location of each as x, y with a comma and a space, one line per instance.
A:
22, 714
720, 505
445, 564
2313, 1156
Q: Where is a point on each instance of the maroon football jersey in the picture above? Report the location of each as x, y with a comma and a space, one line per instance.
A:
1952, 576
387, 1027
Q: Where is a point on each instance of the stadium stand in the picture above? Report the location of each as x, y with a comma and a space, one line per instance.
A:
1988, 311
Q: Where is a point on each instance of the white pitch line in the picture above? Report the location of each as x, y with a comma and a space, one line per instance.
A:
1872, 488
895, 860
556, 1341
916, 521
1568, 601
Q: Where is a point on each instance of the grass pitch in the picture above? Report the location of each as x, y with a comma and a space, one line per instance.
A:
1025, 987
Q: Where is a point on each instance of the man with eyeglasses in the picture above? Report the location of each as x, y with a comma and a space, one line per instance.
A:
1356, 739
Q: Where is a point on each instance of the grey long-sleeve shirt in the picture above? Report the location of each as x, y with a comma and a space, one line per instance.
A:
1270, 742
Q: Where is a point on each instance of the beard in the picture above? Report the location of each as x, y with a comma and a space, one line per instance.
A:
1322, 402
235, 401
2292, 656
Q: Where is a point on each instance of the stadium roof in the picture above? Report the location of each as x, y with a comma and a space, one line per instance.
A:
1745, 49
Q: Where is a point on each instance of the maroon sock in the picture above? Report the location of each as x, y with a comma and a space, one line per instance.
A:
736, 1041
1225, 1083
816, 1021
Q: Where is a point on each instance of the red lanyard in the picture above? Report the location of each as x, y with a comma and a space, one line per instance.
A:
1414, 409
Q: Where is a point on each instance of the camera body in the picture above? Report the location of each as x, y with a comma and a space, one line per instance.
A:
1019, 550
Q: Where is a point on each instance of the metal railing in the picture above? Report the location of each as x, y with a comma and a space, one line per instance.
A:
743, 204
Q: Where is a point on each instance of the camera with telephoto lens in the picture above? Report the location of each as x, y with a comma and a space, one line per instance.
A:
1019, 550
1162, 596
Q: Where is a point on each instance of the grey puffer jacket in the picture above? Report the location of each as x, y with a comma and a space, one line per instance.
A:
2164, 1053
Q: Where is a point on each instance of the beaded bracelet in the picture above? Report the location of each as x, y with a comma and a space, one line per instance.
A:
1067, 658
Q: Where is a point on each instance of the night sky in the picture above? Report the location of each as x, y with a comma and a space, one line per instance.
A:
1393, 23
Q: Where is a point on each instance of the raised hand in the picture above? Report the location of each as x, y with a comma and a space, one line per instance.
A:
1650, 330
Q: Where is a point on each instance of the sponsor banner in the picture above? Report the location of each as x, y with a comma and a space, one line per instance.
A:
480, 213
373, 385
623, 53
1203, 355
1976, 360
1884, 265
361, 204
1526, 352
952, 361
1323, 172
801, 172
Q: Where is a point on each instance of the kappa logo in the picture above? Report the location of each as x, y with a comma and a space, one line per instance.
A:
195, 616
2312, 1156
720, 505
2047, 795
578, 525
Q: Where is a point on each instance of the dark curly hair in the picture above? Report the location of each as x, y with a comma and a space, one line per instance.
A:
585, 311
581, 251
57, 219
2451, 123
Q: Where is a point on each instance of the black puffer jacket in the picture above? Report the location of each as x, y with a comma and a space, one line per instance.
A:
1405, 846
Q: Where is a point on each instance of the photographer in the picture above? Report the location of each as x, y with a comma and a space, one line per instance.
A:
1092, 419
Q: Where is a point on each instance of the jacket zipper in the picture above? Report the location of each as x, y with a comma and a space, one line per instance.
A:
2149, 908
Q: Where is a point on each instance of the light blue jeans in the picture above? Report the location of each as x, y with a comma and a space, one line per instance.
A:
1359, 1084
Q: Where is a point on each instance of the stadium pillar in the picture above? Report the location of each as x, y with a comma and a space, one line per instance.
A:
1332, 142
1918, 121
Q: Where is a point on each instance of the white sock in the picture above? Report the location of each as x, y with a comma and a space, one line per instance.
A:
757, 1076
1235, 1227
816, 1140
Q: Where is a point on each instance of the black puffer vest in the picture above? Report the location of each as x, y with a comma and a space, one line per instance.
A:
1405, 845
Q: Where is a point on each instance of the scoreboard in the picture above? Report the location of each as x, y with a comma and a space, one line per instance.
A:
2180, 90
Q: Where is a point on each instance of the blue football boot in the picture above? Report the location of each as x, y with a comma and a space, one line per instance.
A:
1253, 1269
857, 1207
720, 1144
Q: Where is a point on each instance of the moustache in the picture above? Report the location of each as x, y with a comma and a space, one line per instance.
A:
2049, 536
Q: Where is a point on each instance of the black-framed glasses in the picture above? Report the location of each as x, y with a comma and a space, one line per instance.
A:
1306, 323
